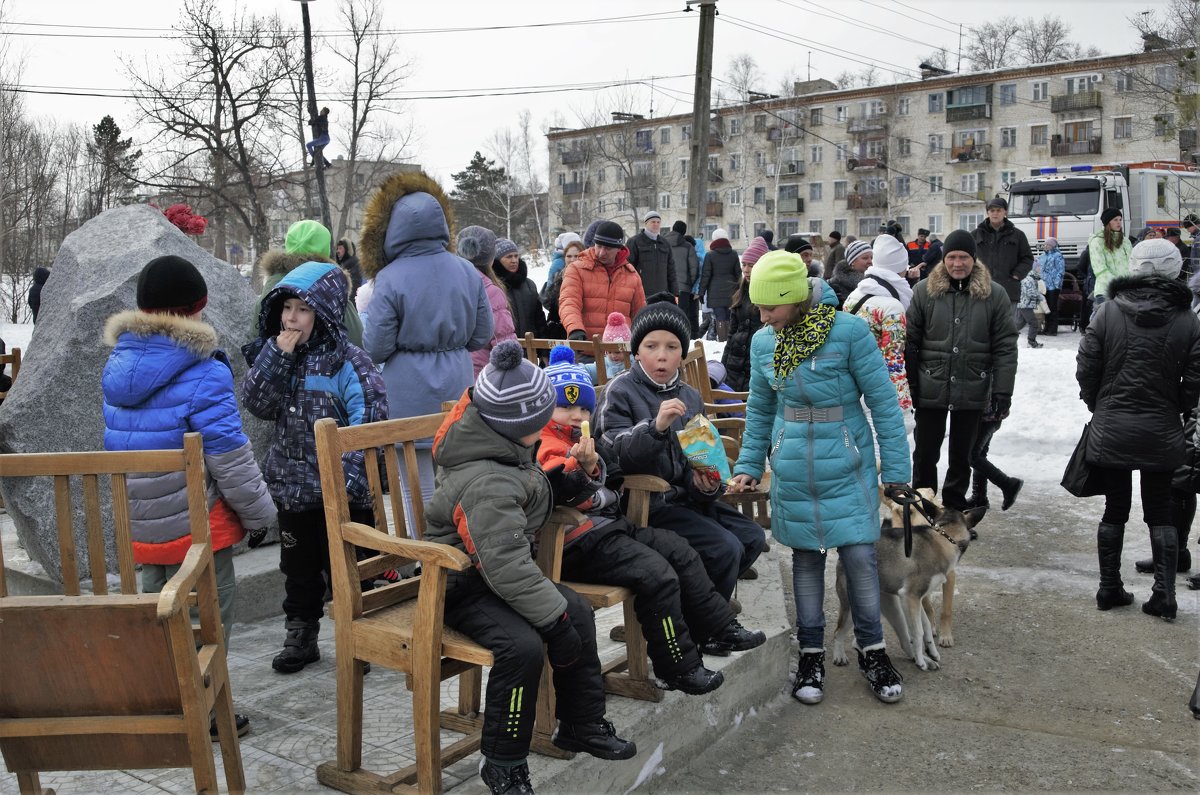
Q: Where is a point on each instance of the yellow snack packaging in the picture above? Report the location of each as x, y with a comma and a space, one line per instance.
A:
701, 443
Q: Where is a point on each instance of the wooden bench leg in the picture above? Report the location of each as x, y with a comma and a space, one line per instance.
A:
544, 721
30, 783
231, 750
635, 682
349, 712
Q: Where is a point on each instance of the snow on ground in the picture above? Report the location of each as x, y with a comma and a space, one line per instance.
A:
16, 335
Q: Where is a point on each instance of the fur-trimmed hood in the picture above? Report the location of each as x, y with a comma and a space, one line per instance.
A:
980, 281
409, 214
1149, 299
278, 262
195, 335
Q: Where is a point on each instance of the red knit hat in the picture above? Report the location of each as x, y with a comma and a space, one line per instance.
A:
757, 248
617, 329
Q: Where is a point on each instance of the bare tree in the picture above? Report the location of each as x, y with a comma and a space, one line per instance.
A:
531, 175
216, 117
939, 58
993, 44
868, 77
1173, 86
377, 71
1045, 40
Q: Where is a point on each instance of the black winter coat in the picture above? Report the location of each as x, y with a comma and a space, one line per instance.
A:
1006, 253
40, 275
523, 298
686, 263
1138, 369
653, 261
744, 320
720, 274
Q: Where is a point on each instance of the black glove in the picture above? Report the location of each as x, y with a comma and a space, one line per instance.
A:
578, 334
563, 644
255, 538
1001, 403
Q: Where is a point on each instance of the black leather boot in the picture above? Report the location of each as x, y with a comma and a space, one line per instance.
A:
1164, 541
979, 490
1183, 561
1010, 490
695, 682
299, 647
1109, 540
512, 780
598, 739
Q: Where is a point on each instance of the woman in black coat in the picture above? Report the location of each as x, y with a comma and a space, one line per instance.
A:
744, 320
1139, 372
527, 312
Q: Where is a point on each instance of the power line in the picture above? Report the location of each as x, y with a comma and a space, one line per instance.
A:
914, 19
849, 20
797, 40
928, 14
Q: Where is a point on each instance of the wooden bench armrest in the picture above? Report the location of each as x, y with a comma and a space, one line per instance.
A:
651, 483
725, 408
427, 552
566, 517
174, 596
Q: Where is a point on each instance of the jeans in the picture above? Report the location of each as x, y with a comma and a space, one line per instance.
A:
155, 576
318, 142
862, 584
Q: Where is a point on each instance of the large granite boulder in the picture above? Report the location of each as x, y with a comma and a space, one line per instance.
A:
56, 403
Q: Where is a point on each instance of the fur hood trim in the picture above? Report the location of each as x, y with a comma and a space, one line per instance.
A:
278, 262
194, 335
1172, 292
980, 281
379, 213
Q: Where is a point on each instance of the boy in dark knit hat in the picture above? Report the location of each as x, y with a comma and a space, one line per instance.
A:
490, 501
167, 377
677, 604
636, 421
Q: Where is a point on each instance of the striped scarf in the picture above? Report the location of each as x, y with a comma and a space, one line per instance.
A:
801, 339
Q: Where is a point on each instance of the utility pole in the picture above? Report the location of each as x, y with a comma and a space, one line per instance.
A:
318, 153
698, 175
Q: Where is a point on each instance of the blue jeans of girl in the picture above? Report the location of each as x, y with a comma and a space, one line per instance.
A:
862, 583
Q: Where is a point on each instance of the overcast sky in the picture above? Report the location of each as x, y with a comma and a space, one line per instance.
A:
839, 35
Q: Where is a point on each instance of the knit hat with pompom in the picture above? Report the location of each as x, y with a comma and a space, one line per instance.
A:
512, 394
477, 245
571, 382
616, 330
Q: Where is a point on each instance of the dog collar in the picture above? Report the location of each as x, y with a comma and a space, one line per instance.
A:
946, 536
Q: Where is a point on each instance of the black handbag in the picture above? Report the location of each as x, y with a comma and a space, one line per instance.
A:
1080, 478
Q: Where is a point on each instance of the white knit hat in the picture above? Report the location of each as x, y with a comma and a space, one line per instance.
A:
720, 234
890, 254
1157, 256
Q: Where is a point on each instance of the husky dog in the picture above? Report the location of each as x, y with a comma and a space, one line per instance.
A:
940, 537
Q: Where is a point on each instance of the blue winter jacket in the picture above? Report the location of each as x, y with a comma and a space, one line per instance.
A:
557, 263
1053, 268
166, 377
428, 311
824, 484
326, 376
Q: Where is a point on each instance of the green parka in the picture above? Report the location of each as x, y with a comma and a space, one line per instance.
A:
491, 499
962, 344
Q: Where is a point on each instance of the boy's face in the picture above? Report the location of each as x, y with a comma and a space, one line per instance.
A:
570, 415
298, 316
660, 353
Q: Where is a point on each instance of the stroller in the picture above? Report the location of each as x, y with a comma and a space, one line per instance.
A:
1070, 301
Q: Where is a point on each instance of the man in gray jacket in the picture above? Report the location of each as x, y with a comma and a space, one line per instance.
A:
687, 272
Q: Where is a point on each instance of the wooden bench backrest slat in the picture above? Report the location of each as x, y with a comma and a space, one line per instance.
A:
95, 535
66, 534
123, 533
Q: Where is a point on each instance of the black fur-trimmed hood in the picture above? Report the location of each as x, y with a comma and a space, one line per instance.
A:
1150, 299
389, 230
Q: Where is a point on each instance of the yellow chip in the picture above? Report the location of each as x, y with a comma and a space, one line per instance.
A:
585, 430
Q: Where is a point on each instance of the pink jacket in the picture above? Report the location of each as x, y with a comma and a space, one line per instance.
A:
504, 328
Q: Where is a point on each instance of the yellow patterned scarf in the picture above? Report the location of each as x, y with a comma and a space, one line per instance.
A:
800, 340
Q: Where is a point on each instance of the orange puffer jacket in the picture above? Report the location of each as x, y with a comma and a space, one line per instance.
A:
590, 293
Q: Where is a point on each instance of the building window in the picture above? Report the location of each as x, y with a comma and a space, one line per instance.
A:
1164, 123
842, 151
620, 204
969, 221
934, 224
935, 184
1008, 137
815, 154
759, 226
760, 195
683, 200
714, 163
1123, 127
735, 162
664, 135
1008, 177
664, 168
664, 201
1038, 135
814, 191
902, 107
968, 183
904, 222
787, 229
735, 231
599, 176
760, 158
683, 167
735, 197
1166, 77
600, 207
841, 225
685, 132
814, 226
840, 189
644, 140
760, 122
1041, 90
840, 113
735, 126
936, 142
1124, 81
903, 186
869, 227
1008, 94
937, 102
814, 117
789, 192
904, 147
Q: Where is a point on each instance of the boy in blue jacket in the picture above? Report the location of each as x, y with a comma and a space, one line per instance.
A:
303, 368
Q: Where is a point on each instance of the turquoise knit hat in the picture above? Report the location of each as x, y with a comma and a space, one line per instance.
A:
779, 277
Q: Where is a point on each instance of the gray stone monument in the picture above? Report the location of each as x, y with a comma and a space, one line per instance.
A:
56, 404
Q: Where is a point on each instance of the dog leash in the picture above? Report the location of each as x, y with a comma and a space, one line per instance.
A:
908, 500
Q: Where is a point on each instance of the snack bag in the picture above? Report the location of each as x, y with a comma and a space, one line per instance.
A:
701, 443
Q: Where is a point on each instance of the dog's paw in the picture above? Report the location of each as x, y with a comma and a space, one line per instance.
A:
945, 639
839, 655
930, 664
931, 651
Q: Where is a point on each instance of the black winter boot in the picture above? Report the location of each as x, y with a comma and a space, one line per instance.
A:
501, 780
881, 675
979, 490
1194, 704
1109, 540
1010, 490
299, 647
1183, 562
1164, 540
733, 637
598, 739
695, 682
810, 677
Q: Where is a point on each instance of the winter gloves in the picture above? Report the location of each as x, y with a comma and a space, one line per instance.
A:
563, 644
1001, 403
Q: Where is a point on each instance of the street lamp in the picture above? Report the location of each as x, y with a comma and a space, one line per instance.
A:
318, 152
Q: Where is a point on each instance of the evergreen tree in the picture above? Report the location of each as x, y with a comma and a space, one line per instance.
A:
114, 166
482, 195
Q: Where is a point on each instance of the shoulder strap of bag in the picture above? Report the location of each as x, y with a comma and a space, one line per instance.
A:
854, 309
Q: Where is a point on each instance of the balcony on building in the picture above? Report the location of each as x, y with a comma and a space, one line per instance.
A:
572, 157
791, 206
968, 197
866, 124
969, 103
969, 153
1088, 146
866, 201
714, 209
572, 188
774, 134
792, 167
1082, 100
860, 163
716, 175
636, 181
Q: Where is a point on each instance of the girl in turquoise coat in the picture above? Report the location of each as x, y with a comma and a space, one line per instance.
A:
810, 366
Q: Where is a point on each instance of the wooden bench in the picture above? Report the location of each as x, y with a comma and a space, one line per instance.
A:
12, 360
122, 680
538, 350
